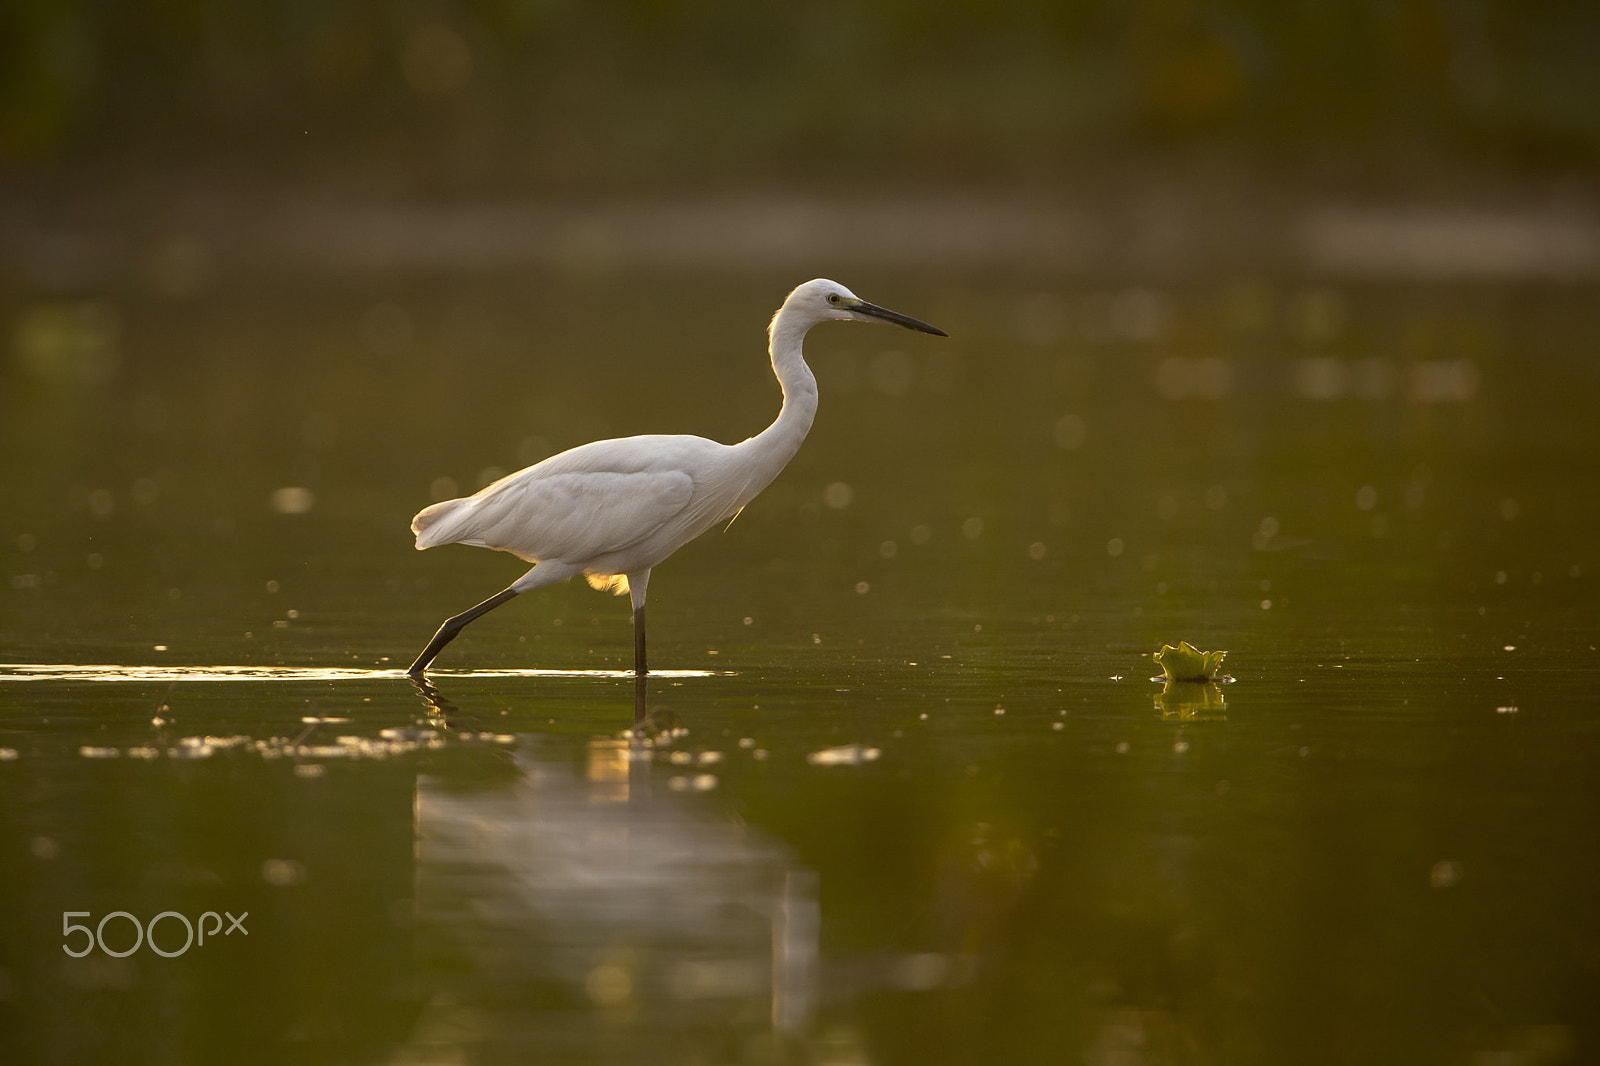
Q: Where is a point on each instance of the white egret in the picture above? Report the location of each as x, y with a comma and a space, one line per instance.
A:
613, 509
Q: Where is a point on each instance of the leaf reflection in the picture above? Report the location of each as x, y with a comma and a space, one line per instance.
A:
1191, 701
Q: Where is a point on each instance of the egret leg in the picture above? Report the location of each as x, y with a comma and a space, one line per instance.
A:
638, 583
639, 666
455, 625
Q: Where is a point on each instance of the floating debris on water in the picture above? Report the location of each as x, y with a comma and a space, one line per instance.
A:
696, 783
406, 733
843, 755
390, 742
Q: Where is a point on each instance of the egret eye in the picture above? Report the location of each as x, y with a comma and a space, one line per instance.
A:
833, 297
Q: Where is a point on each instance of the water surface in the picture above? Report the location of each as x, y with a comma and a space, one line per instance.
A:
904, 791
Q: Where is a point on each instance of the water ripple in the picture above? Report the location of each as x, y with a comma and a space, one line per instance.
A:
87, 672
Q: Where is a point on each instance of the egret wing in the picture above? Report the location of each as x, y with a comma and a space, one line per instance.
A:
576, 516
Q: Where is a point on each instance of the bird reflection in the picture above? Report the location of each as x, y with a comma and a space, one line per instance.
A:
443, 712
571, 900
559, 887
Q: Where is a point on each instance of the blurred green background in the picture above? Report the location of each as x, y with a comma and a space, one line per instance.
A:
178, 145
655, 96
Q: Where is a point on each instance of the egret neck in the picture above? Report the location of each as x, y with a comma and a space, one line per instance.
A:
777, 444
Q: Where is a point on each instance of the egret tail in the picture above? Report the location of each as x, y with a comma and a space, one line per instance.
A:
436, 524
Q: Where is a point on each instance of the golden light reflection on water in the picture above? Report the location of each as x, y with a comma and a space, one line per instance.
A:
105, 672
609, 767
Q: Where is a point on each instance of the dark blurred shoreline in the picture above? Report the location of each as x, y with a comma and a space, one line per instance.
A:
188, 144
183, 237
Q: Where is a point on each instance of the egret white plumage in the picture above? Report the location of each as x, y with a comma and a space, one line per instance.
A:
613, 509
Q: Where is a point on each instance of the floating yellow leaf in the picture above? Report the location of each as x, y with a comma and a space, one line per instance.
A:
1188, 663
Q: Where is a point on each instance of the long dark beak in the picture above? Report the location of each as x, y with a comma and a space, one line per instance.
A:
886, 315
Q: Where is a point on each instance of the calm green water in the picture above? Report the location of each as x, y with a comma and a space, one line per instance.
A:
906, 792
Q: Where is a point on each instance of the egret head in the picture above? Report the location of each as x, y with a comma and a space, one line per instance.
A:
823, 300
